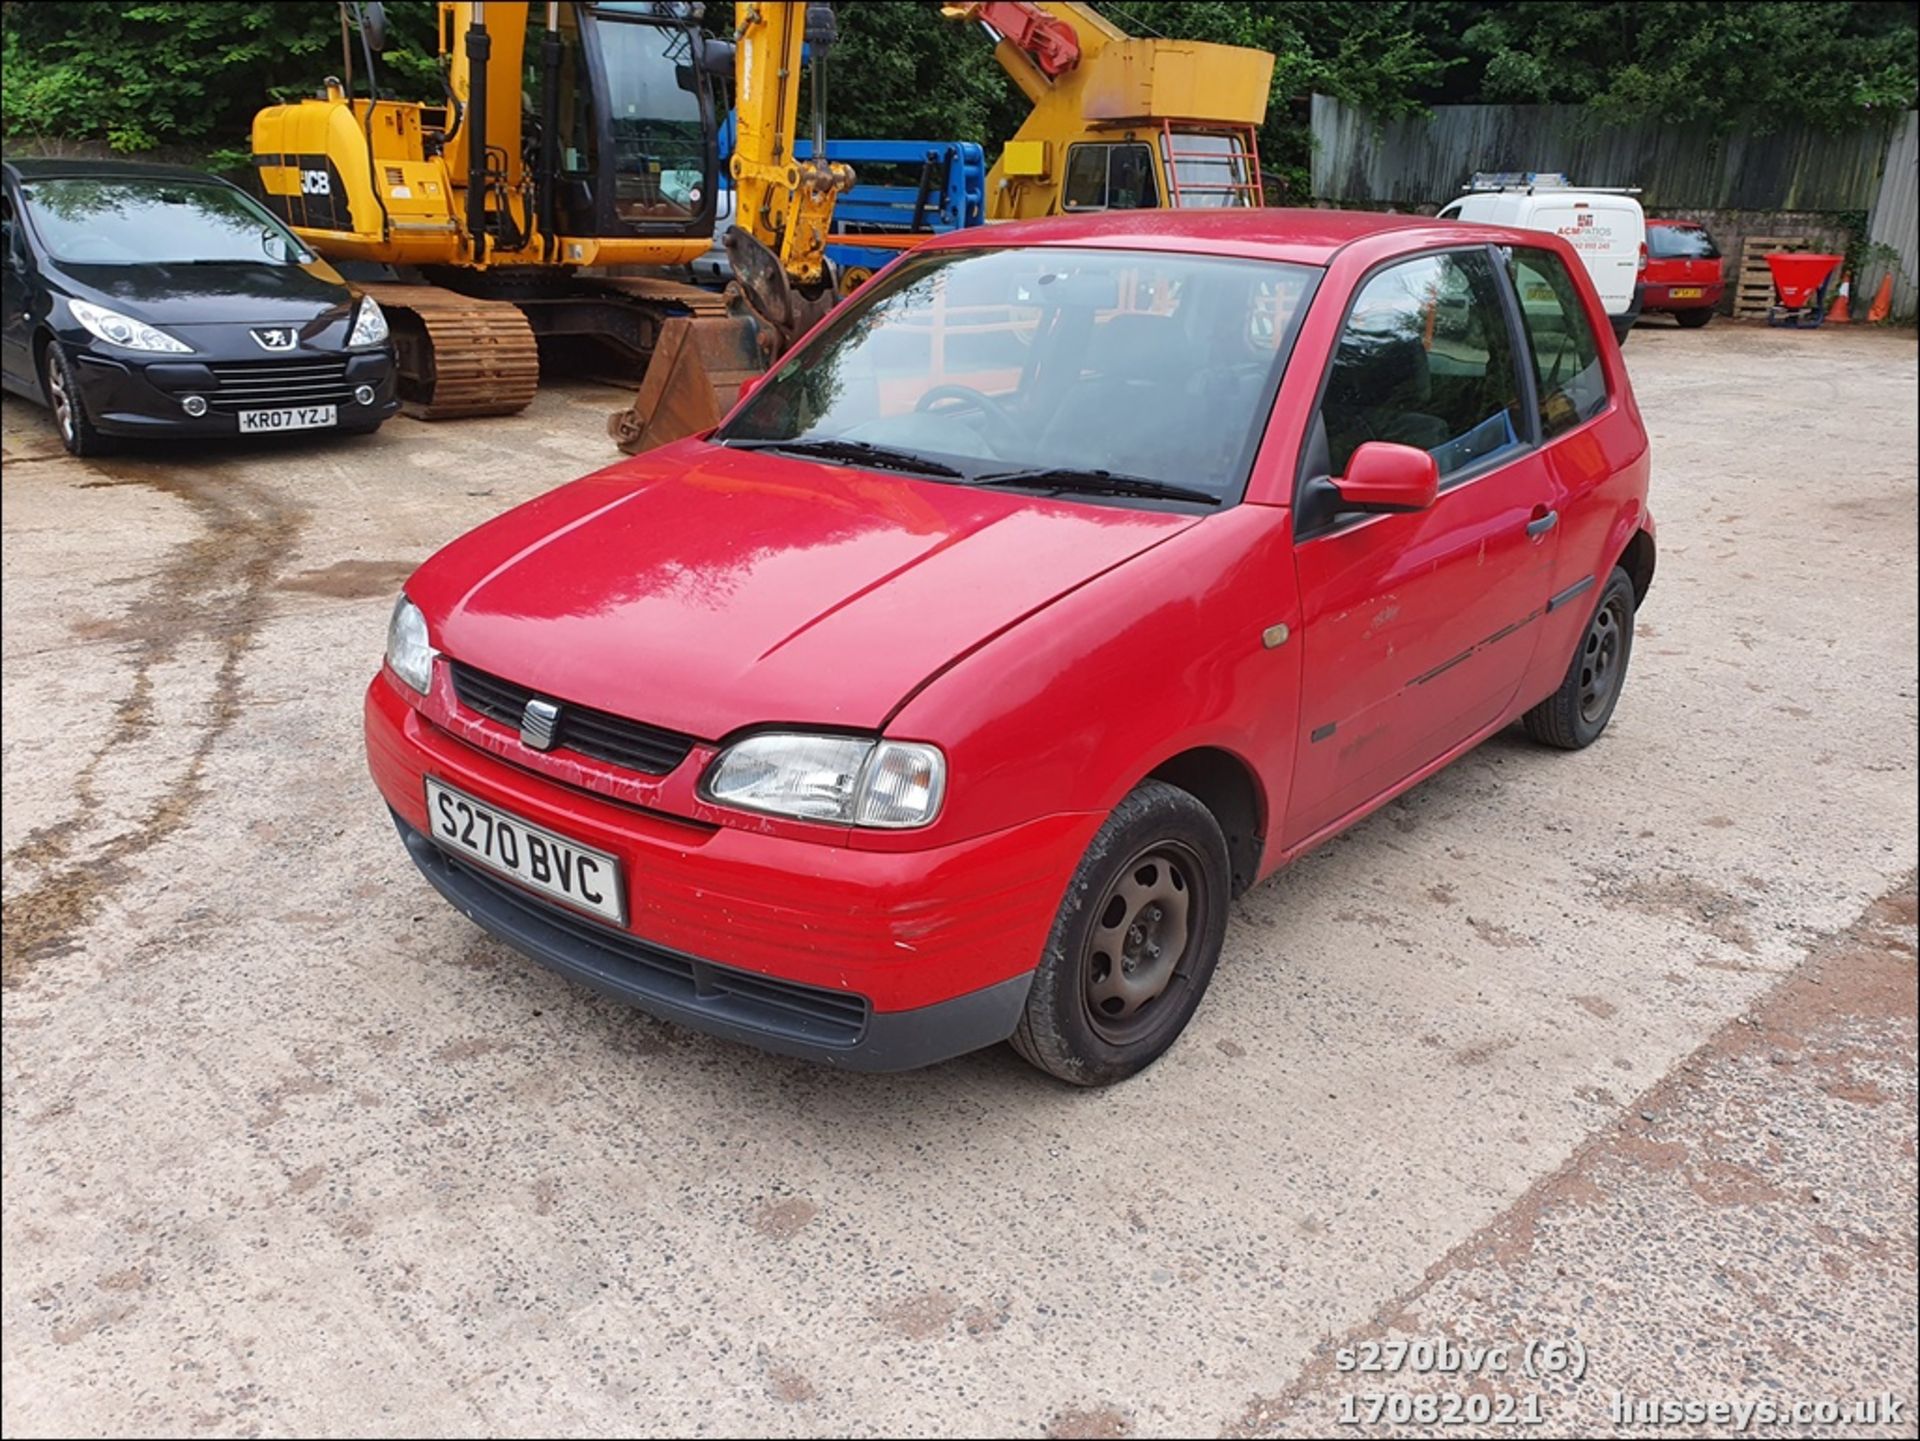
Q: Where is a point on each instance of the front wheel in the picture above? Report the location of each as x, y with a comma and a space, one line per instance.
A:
1135, 942
1572, 717
77, 433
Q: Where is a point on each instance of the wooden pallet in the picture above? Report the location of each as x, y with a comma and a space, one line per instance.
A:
1753, 286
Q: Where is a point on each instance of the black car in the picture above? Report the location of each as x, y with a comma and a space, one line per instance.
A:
157, 300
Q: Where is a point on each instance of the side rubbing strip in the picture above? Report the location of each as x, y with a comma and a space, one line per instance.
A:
1580, 588
1324, 731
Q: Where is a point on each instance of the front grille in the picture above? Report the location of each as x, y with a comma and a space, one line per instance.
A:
629, 967
611, 738
266, 384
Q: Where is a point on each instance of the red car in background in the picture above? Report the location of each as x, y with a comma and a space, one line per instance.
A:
1684, 277
1069, 578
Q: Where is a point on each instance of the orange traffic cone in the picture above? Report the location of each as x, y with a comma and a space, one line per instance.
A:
1840, 313
1882, 300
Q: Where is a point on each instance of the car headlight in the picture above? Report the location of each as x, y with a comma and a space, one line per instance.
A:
369, 325
853, 780
407, 649
123, 330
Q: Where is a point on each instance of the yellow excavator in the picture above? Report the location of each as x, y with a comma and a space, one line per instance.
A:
570, 146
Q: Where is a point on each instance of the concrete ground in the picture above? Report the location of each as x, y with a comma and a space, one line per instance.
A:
1614, 1050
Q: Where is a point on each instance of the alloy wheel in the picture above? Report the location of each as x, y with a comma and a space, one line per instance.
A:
61, 397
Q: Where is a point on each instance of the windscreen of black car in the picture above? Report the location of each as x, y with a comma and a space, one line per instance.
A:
1146, 364
1680, 242
114, 221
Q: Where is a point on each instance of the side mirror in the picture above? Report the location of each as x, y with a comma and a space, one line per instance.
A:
1383, 478
373, 24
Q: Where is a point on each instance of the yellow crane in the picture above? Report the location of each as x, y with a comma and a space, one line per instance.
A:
1119, 121
573, 143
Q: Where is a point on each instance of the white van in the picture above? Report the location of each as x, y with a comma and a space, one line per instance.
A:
1607, 228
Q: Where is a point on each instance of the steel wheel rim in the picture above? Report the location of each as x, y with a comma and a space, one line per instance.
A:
1146, 937
62, 401
1602, 659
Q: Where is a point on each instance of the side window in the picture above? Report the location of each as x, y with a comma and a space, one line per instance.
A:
1566, 361
1086, 187
1109, 177
1425, 360
1130, 179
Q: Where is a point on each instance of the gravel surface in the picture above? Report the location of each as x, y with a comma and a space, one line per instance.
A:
1614, 1048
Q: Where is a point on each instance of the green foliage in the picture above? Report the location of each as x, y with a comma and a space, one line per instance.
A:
141, 76
190, 75
1752, 67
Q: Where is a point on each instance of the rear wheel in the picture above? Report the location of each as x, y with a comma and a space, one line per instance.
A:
1692, 319
77, 432
1135, 943
1572, 717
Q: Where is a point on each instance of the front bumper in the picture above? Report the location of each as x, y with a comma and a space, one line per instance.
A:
932, 950
125, 396
838, 1028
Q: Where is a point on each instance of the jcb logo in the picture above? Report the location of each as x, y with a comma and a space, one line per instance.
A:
315, 182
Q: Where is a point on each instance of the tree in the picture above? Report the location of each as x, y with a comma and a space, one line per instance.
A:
143, 76
191, 75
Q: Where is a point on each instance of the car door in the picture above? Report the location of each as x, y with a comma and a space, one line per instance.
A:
16, 351
1417, 628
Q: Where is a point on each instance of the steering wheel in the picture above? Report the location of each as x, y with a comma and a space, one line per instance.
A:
980, 401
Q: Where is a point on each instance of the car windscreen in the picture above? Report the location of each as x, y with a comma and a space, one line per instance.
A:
1156, 366
129, 221
1680, 242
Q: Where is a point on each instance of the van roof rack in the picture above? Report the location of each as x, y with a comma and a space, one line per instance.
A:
1532, 180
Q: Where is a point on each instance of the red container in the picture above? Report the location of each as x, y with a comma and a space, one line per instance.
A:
1798, 274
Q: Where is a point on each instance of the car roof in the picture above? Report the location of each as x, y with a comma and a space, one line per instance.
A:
50, 167
1304, 237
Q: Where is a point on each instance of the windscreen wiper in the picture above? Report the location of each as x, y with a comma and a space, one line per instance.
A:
859, 452
1065, 480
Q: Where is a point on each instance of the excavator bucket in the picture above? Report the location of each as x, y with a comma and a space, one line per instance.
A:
698, 366
701, 360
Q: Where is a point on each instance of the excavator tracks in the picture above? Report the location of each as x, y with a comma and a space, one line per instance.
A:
459, 356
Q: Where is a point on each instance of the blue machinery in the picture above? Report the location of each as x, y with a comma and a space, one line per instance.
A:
903, 188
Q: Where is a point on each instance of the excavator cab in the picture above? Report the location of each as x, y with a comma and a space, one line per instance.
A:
571, 134
633, 114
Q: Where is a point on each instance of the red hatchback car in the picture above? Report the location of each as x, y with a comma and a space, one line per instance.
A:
1068, 579
1684, 277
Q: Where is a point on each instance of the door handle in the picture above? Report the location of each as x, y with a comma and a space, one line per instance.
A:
1541, 524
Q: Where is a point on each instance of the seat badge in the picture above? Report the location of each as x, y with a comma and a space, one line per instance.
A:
538, 722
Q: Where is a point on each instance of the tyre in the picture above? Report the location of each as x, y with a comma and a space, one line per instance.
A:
1692, 319
1621, 332
77, 433
1135, 942
1573, 716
